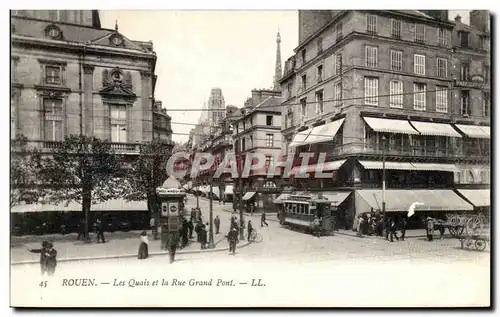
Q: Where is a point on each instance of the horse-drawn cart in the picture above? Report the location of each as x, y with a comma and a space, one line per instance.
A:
471, 229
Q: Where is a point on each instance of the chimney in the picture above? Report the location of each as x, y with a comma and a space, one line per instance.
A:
311, 21
458, 19
480, 19
158, 105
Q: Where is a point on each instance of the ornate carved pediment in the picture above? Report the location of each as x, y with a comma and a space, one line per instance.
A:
117, 84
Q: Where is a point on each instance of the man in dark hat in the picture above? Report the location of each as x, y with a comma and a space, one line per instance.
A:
51, 259
43, 256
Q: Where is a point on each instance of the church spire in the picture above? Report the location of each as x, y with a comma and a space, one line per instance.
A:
277, 70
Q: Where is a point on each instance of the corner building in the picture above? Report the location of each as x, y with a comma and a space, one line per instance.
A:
375, 87
71, 76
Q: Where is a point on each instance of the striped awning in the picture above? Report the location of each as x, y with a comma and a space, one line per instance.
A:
390, 125
438, 129
475, 131
325, 132
478, 197
300, 138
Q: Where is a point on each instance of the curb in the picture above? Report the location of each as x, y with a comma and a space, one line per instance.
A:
151, 254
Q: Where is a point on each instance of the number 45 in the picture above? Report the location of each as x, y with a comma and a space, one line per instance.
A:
43, 284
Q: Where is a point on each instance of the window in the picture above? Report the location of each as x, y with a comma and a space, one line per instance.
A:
13, 118
371, 23
52, 74
269, 120
290, 119
319, 43
442, 37
419, 96
338, 32
269, 183
304, 82
397, 61
486, 105
243, 144
118, 123
303, 108
396, 94
319, 102
337, 94
396, 29
371, 56
269, 140
464, 71
419, 64
53, 124
465, 102
320, 73
289, 87
464, 39
371, 91
442, 99
442, 68
419, 33
303, 53
251, 141
251, 121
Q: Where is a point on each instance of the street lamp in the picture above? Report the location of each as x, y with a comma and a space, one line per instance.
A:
384, 141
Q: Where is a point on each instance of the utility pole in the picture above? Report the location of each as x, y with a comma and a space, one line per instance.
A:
242, 236
383, 183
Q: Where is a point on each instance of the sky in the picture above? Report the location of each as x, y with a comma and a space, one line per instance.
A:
197, 51
200, 50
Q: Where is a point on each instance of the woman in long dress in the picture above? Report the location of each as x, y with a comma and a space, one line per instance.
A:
143, 247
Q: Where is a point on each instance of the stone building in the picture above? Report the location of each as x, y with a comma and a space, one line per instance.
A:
162, 126
71, 76
258, 131
375, 87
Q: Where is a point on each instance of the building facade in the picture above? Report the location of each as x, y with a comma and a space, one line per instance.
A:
70, 76
162, 126
258, 131
376, 90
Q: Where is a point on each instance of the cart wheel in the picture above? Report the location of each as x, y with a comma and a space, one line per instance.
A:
459, 230
480, 244
469, 243
452, 232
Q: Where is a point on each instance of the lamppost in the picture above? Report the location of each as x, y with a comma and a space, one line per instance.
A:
211, 244
242, 236
384, 141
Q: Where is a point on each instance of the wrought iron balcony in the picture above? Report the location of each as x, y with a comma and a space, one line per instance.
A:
116, 147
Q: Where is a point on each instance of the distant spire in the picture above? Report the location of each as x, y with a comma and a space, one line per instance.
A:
277, 70
116, 25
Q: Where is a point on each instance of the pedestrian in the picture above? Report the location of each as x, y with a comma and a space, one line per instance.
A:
81, 230
441, 231
360, 226
393, 233
99, 230
51, 259
217, 224
43, 256
197, 229
185, 232
404, 224
190, 227
232, 237
317, 227
154, 229
387, 228
430, 228
249, 229
203, 236
172, 246
263, 219
143, 252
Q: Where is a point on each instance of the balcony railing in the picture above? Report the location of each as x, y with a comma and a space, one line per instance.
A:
361, 148
116, 147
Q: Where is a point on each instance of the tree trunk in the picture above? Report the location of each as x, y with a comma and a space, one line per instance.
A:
86, 203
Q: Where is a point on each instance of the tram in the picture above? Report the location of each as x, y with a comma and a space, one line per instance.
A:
300, 210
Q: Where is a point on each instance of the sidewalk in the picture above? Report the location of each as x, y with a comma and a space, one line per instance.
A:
117, 248
412, 233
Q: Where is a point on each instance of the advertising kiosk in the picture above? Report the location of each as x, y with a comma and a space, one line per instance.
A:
171, 203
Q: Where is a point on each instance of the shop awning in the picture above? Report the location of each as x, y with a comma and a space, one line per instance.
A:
325, 167
401, 200
435, 167
325, 132
475, 131
281, 198
390, 125
478, 197
378, 165
229, 190
439, 129
248, 195
336, 197
406, 166
300, 138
